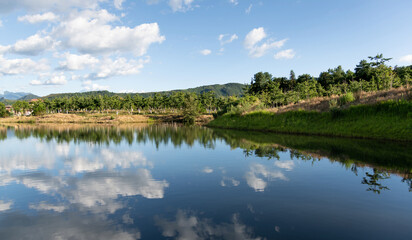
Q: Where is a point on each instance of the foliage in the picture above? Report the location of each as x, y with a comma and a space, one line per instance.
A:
39, 108
191, 109
347, 98
3, 112
386, 120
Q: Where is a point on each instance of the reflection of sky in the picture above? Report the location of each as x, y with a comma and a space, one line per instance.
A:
117, 189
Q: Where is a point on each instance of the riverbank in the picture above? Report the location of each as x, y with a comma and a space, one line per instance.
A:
389, 120
100, 118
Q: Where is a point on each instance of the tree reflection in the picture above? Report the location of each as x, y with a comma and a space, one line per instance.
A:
373, 181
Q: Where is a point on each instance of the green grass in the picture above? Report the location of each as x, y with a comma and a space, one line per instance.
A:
386, 120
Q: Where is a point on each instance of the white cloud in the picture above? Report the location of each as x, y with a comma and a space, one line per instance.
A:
288, 165
406, 59
77, 62
207, 170
255, 36
226, 182
21, 66
89, 32
180, 5
119, 67
1, 23
33, 45
48, 16
285, 54
226, 38
36, 82
47, 206
205, 52
257, 171
90, 86
118, 4
108, 159
5, 205
54, 79
234, 2
189, 226
247, 11
47, 5
98, 191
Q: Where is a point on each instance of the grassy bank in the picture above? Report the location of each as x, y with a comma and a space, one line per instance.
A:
390, 120
100, 118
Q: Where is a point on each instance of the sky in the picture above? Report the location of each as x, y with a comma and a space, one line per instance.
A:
54, 46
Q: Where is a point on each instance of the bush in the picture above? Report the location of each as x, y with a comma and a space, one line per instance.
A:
3, 112
347, 98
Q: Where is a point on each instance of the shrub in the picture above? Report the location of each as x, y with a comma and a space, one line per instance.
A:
347, 98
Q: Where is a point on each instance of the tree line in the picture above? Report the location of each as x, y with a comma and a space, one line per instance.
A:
369, 75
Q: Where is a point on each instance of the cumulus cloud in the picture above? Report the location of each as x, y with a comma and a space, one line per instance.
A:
254, 178
77, 62
205, 52
207, 170
56, 79
33, 45
254, 37
89, 33
21, 66
227, 38
5, 205
118, 67
285, 54
288, 165
189, 226
406, 59
108, 159
180, 5
37, 18
98, 191
227, 182
90, 86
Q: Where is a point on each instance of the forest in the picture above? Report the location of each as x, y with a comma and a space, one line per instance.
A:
268, 91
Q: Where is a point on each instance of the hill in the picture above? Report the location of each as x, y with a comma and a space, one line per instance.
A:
13, 95
221, 90
29, 97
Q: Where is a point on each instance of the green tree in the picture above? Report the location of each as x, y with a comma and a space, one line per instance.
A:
3, 112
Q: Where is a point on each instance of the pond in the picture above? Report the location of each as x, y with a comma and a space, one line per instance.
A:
179, 182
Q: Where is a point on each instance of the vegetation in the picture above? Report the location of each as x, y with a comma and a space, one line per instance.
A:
385, 120
225, 90
3, 112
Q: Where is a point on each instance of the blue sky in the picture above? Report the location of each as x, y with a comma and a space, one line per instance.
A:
50, 46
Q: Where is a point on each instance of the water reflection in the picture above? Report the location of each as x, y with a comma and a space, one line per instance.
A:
187, 225
106, 182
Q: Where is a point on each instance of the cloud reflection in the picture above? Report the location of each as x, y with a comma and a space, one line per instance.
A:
254, 178
190, 227
62, 226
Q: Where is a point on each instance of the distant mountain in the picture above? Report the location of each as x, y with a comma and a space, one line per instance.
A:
29, 97
221, 90
13, 95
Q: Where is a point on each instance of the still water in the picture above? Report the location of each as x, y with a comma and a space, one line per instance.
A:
176, 182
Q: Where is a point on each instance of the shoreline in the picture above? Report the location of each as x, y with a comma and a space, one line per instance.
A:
99, 118
383, 121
